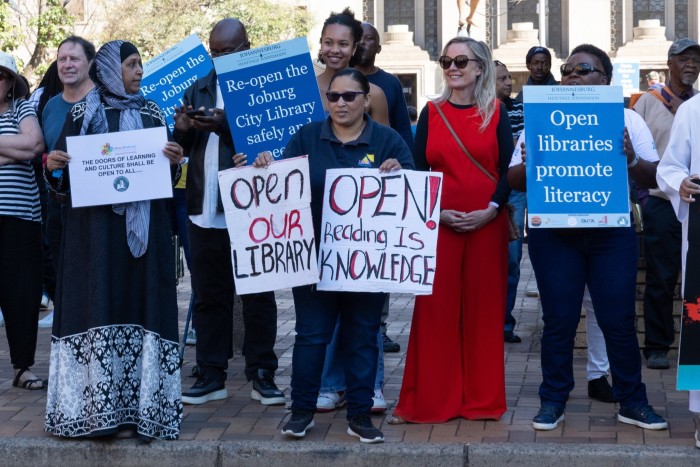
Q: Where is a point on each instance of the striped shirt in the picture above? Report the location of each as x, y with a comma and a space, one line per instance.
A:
19, 194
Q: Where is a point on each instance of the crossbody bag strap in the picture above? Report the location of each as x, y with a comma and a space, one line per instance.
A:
459, 143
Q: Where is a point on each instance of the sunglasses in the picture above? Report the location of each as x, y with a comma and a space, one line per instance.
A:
582, 69
348, 96
461, 61
498, 63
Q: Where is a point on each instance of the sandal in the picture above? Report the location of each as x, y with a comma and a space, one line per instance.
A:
30, 384
396, 420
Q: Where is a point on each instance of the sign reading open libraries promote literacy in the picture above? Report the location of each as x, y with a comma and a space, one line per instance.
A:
379, 230
168, 75
269, 92
576, 168
268, 216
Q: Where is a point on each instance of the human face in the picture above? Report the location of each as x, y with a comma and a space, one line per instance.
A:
347, 113
5, 86
539, 67
337, 46
504, 82
463, 78
593, 78
226, 41
72, 64
132, 72
684, 67
370, 44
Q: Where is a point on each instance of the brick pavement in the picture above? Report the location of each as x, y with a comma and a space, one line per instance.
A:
238, 418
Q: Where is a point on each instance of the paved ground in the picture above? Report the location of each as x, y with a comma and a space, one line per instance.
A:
238, 421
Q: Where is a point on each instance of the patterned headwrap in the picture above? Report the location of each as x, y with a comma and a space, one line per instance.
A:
106, 73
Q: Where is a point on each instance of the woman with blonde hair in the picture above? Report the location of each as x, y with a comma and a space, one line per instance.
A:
454, 364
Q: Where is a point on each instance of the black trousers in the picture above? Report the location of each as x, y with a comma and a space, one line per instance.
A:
21, 270
662, 250
212, 282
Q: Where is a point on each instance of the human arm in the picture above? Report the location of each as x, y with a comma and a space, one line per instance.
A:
516, 171
28, 142
421, 141
504, 135
378, 108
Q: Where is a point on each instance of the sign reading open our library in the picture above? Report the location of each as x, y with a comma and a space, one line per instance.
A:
576, 168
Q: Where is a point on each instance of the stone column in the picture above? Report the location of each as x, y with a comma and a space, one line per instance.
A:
588, 22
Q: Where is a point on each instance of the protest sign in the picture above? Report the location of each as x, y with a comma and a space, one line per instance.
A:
268, 216
109, 168
167, 76
688, 377
576, 169
379, 230
268, 93
626, 75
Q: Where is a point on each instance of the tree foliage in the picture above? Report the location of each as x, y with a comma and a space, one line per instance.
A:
155, 25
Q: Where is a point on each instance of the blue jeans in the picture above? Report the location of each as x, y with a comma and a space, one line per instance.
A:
605, 259
333, 379
518, 200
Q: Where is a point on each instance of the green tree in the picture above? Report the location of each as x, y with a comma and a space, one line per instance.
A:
155, 25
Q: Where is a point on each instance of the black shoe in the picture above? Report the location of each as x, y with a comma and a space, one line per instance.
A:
658, 361
300, 421
210, 386
548, 417
643, 417
389, 345
511, 337
362, 427
265, 390
599, 389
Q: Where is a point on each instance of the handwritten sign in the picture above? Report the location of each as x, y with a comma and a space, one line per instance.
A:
168, 75
379, 230
576, 169
688, 377
110, 168
268, 216
269, 93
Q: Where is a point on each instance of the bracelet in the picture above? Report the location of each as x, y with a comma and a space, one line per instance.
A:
634, 162
494, 204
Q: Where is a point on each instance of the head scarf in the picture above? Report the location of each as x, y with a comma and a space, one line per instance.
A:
106, 73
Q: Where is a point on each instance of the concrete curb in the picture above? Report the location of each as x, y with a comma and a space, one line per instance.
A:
52, 451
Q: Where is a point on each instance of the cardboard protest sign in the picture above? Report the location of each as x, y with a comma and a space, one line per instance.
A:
167, 76
110, 168
379, 230
268, 93
268, 216
576, 169
689, 348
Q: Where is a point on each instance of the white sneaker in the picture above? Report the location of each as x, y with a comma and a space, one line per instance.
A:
46, 321
44, 301
329, 401
697, 439
2, 319
191, 338
378, 402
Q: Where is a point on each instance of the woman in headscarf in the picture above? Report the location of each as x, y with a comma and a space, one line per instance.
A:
114, 350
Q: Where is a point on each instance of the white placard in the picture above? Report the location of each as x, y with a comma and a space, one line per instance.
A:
379, 231
111, 168
268, 215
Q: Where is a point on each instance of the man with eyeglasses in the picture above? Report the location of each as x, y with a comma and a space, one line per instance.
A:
207, 139
604, 261
539, 63
517, 199
662, 230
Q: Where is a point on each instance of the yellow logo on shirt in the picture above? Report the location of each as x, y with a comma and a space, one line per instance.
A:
367, 161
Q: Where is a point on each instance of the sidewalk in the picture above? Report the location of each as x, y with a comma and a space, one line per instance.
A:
240, 431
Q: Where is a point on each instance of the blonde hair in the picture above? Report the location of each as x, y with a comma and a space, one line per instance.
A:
485, 88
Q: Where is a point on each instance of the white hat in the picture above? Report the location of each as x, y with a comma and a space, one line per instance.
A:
8, 65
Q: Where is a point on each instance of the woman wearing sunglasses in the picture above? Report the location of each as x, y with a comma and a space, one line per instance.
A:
454, 365
347, 138
565, 261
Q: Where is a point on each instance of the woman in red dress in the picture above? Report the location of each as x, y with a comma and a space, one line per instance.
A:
454, 365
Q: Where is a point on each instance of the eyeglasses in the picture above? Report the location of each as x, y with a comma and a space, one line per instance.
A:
461, 61
581, 69
348, 96
242, 45
498, 63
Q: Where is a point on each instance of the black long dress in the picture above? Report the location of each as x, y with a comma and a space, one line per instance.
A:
114, 349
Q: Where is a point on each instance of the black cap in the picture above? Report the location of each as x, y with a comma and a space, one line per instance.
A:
537, 50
